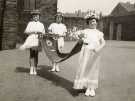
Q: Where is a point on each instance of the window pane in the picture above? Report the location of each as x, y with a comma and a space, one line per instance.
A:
26, 4
29, 4
32, 4
37, 4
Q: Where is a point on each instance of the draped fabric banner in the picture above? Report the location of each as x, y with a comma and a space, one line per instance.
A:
50, 47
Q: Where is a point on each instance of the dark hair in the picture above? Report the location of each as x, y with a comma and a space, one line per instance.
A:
90, 18
61, 17
58, 15
34, 14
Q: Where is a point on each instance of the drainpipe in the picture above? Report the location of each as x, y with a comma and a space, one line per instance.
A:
2, 21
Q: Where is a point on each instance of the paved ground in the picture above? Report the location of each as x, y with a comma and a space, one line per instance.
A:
117, 76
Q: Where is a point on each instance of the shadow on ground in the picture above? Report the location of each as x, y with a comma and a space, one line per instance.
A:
43, 71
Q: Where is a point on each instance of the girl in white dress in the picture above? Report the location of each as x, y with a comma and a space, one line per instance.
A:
33, 30
60, 29
88, 71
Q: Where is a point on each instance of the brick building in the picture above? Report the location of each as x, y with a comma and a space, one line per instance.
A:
120, 24
15, 14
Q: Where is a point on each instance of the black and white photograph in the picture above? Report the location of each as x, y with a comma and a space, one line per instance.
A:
67, 50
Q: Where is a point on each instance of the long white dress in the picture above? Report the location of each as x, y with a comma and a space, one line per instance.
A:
32, 40
89, 61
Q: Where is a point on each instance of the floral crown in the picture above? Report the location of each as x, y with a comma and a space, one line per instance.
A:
59, 14
91, 15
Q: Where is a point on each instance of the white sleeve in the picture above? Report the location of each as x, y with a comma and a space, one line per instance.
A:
43, 29
65, 29
27, 30
101, 35
50, 27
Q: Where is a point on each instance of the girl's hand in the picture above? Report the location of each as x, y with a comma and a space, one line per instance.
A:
81, 35
40, 36
96, 50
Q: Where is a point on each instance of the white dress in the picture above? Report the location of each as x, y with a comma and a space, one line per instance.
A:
32, 29
60, 29
88, 70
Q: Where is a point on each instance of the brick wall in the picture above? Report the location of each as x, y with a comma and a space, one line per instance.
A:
1, 21
10, 25
0, 11
15, 20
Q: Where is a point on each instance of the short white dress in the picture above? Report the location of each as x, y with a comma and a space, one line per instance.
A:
60, 29
32, 40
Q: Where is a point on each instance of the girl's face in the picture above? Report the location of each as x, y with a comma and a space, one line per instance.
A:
59, 19
92, 24
36, 17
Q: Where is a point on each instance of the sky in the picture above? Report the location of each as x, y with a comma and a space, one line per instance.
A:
104, 6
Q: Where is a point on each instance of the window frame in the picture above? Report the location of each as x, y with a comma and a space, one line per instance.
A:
29, 5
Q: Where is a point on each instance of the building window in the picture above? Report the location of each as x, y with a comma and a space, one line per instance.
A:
30, 4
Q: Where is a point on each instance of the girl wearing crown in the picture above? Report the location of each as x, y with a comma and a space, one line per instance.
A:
58, 28
88, 71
